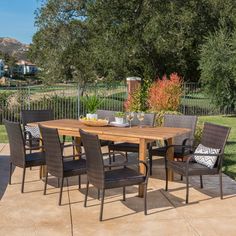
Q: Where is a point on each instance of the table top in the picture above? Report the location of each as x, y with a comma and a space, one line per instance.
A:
150, 133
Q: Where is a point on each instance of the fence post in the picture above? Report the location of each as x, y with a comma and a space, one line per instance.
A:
184, 109
28, 97
78, 100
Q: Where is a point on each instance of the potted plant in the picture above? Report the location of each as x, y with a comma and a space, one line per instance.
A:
91, 103
120, 117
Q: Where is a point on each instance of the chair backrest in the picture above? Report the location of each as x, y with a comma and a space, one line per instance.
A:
30, 116
181, 121
16, 142
102, 114
149, 119
94, 159
215, 136
53, 151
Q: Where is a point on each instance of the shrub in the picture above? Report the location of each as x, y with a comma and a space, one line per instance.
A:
165, 93
137, 101
133, 103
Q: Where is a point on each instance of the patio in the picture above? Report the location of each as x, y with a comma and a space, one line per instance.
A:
32, 213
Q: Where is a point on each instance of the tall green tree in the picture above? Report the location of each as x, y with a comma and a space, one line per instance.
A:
82, 39
61, 45
150, 38
218, 68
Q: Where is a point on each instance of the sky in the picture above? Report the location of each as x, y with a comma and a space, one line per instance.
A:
17, 19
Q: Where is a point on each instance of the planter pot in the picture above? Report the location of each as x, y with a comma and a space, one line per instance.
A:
91, 116
119, 120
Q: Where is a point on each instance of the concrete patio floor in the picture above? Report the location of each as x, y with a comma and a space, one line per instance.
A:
32, 213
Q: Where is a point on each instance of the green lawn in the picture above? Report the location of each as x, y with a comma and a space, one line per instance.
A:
230, 151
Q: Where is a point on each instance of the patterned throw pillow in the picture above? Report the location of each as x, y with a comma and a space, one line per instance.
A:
33, 130
205, 160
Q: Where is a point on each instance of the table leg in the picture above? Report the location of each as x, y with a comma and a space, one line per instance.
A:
42, 171
142, 157
78, 146
170, 156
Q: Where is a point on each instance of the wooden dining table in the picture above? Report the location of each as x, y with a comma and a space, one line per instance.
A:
141, 136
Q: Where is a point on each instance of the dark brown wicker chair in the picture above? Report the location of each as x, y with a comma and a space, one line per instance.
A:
149, 120
108, 179
213, 136
103, 114
30, 116
59, 165
179, 121
106, 114
18, 155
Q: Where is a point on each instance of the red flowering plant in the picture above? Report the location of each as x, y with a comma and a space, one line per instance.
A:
165, 93
164, 96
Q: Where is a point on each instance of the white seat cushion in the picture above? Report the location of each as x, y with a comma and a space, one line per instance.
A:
206, 160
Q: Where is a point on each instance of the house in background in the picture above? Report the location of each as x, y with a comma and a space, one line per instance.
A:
2, 65
24, 68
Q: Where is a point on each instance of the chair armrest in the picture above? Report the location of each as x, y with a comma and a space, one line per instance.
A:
176, 145
33, 148
190, 158
146, 168
27, 133
117, 152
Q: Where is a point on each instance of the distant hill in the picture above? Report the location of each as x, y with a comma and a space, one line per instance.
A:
14, 48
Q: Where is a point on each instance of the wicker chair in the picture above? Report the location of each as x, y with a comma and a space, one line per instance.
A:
103, 114
32, 133
149, 120
179, 121
59, 165
108, 179
18, 155
213, 136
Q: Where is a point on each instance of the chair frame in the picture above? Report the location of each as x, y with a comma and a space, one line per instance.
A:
109, 166
190, 159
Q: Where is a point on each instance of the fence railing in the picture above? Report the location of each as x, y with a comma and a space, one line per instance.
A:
66, 100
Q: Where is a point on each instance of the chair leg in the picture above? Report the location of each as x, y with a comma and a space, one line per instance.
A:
221, 185
30, 153
150, 161
86, 194
45, 184
126, 155
73, 149
10, 172
109, 155
166, 179
113, 157
62, 183
201, 182
79, 182
181, 177
145, 199
187, 188
23, 180
102, 203
124, 194
98, 194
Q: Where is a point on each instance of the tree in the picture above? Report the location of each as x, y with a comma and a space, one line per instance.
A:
83, 39
218, 68
152, 38
61, 45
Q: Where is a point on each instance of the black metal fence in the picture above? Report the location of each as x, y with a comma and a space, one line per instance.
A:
66, 100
